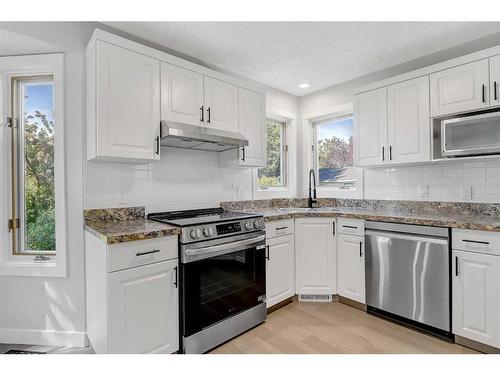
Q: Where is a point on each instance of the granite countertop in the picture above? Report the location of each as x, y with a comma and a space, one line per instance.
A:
125, 224
476, 222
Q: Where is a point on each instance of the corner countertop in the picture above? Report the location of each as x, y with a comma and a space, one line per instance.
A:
113, 232
475, 222
116, 225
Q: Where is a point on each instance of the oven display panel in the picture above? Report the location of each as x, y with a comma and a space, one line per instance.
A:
228, 228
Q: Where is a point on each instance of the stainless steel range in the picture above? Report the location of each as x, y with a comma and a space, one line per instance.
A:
222, 274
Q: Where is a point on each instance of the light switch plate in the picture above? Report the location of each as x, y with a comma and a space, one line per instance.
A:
423, 191
467, 193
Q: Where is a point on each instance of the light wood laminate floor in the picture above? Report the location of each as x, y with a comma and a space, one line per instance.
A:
333, 328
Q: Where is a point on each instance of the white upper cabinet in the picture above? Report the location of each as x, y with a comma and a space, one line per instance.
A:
252, 125
221, 105
124, 104
495, 81
409, 125
476, 297
459, 89
181, 95
370, 128
351, 267
315, 256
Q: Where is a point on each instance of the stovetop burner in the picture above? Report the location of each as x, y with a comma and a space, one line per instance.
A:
199, 217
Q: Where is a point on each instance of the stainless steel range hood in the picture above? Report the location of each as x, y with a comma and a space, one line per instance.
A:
179, 135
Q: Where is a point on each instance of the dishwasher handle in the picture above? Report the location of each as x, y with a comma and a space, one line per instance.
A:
406, 236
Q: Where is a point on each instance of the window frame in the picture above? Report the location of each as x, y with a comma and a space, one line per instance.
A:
25, 264
315, 123
289, 190
283, 157
18, 204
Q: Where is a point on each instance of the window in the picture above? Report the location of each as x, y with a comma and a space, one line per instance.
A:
274, 174
32, 222
32, 159
333, 152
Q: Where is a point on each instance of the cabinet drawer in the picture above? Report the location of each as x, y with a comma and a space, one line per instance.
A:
476, 241
137, 253
352, 227
279, 228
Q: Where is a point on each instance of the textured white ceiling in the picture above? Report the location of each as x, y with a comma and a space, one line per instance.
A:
285, 54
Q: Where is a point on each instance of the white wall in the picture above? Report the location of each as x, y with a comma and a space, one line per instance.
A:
181, 179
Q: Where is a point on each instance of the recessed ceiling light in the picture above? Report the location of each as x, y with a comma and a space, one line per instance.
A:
304, 85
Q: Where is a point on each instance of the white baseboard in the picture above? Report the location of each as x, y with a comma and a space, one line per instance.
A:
50, 338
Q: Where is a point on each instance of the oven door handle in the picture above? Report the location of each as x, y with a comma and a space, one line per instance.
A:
231, 246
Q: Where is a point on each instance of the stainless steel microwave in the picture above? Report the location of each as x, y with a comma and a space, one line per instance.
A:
477, 134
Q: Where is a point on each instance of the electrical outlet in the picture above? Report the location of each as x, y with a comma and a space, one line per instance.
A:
424, 191
467, 193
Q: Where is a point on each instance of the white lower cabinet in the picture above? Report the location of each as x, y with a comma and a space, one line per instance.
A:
144, 309
132, 295
280, 269
476, 297
351, 267
315, 256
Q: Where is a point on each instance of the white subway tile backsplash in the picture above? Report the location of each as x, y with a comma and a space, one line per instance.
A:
445, 181
181, 179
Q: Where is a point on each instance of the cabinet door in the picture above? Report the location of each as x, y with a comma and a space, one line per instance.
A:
351, 267
315, 253
370, 128
476, 297
221, 105
409, 125
495, 80
144, 309
127, 103
181, 95
280, 271
459, 89
252, 125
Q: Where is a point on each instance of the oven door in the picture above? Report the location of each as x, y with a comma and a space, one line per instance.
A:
220, 281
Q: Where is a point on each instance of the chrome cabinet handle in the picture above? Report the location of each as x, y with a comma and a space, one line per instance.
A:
202, 114
390, 152
383, 153
243, 152
360, 249
281, 228
208, 112
456, 266
175, 280
483, 99
268, 252
138, 254
495, 94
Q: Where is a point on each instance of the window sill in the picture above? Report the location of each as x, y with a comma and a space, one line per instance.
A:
30, 267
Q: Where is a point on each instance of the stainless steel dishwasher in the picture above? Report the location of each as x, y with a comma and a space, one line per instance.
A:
408, 274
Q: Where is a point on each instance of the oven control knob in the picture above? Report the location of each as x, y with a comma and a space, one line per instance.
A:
256, 224
248, 225
195, 234
208, 232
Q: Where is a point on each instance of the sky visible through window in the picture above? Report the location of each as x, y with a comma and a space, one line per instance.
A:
40, 97
336, 128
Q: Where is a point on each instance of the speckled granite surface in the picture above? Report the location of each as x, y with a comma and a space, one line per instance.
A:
475, 216
115, 225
